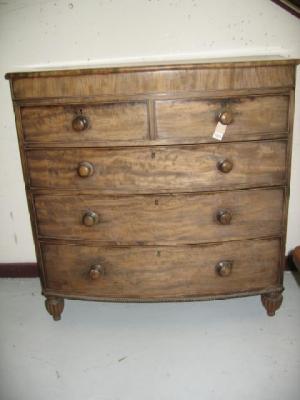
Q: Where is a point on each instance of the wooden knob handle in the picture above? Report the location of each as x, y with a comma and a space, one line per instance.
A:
90, 218
96, 271
224, 268
85, 169
225, 117
224, 217
225, 166
80, 123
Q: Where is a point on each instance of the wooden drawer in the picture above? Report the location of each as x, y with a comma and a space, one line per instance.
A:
157, 219
150, 273
253, 117
85, 123
153, 79
161, 169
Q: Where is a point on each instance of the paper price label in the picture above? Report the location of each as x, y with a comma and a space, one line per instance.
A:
219, 131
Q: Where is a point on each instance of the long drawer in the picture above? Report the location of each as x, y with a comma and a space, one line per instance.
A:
162, 272
153, 79
161, 169
192, 218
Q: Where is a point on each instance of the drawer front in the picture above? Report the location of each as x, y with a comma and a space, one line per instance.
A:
249, 118
162, 272
162, 218
87, 123
159, 79
160, 169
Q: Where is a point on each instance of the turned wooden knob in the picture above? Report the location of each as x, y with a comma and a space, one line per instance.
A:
80, 123
225, 166
90, 218
224, 217
225, 117
224, 268
85, 169
96, 271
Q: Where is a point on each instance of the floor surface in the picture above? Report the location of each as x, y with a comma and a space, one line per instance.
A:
186, 351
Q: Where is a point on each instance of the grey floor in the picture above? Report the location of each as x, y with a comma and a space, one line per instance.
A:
100, 351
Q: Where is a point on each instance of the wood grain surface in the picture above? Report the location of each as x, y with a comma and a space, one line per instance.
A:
228, 62
135, 81
162, 218
162, 272
162, 169
106, 122
132, 199
260, 115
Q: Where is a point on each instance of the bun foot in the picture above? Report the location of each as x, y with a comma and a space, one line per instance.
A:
271, 301
54, 306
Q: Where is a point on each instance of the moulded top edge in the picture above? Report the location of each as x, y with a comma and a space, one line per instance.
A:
175, 65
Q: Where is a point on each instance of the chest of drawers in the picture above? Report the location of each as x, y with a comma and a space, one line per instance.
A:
130, 196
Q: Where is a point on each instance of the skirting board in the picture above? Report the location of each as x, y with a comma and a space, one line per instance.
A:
30, 270
19, 270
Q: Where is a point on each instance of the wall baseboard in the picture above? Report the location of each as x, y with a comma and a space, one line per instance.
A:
19, 270
30, 270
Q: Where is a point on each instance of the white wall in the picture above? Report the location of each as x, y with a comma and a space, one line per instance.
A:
60, 33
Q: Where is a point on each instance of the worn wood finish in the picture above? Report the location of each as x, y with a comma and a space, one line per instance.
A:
106, 122
54, 306
241, 62
130, 197
272, 301
252, 117
162, 272
163, 169
161, 218
288, 174
162, 80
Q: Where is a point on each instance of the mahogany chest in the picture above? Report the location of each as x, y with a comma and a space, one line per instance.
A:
158, 183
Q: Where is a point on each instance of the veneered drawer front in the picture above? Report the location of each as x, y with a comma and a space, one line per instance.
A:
162, 272
160, 79
161, 169
257, 117
162, 219
87, 123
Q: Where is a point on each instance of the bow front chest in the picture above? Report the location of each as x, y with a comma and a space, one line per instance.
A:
158, 183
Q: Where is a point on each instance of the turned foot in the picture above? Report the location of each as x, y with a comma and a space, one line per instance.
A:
54, 306
271, 301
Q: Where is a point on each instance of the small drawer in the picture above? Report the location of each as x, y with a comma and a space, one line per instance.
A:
160, 169
153, 273
101, 123
247, 118
165, 219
